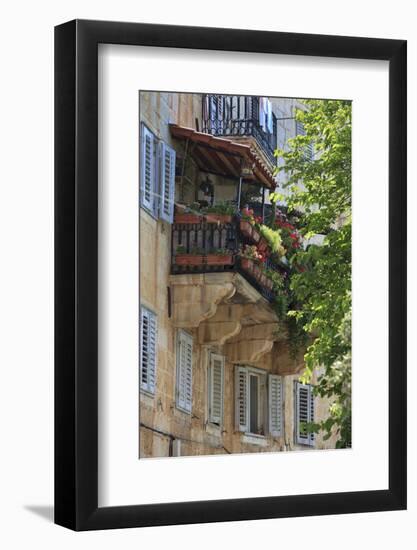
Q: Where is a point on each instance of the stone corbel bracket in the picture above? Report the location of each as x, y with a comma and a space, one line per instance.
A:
281, 360
251, 344
195, 297
228, 320
225, 324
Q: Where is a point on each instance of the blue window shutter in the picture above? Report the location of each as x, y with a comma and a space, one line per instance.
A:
167, 187
147, 170
299, 128
300, 131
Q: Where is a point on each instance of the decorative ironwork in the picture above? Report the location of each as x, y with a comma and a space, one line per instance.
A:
201, 242
234, 116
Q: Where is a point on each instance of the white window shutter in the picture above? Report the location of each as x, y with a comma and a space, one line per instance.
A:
167, 187
184, 371
305, 413
216, 382
311, 419
275, 402
241, 399
147, 171
148, 337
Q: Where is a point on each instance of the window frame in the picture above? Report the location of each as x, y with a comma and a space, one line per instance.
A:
263, 401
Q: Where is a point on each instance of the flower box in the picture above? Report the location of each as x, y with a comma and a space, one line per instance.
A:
219, 259
256, 236
187, 218
246, 228
189, 259
247, 264
268, 283
256, 272
218, 218
262, 245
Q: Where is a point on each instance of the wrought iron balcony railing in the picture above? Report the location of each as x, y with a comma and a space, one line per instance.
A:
240, 116
199, 246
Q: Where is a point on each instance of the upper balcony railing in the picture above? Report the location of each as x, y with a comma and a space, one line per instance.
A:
212, 243
241, 116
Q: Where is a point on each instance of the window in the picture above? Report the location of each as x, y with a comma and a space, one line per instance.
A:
304, 412
300, 131
258, 400
215, 388
148, 334
184, 364
216, 113
157, 177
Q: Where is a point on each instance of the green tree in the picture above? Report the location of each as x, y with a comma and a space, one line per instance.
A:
320, 187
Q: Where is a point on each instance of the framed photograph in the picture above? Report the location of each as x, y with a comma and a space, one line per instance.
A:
230, 337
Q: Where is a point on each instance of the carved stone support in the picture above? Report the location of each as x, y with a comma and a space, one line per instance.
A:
251, 344
194, 298
225, 324
282, 361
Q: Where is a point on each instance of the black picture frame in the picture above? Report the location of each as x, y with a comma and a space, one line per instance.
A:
76, 272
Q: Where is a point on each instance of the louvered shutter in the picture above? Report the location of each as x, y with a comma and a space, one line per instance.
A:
304, 412
299, 128
300, 131
241, 399
216, 371
184, 371
275, 401
147, 172
167, 187
311, 419
148, 335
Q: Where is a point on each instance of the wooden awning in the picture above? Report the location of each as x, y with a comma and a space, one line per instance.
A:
225, 157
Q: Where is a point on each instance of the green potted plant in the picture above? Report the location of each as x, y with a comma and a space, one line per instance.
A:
194, 257
272, 238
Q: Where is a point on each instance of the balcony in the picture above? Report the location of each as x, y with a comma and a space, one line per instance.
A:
224, 296
239, 118
212, 243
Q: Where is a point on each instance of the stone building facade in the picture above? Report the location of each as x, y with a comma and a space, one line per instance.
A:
216, 374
